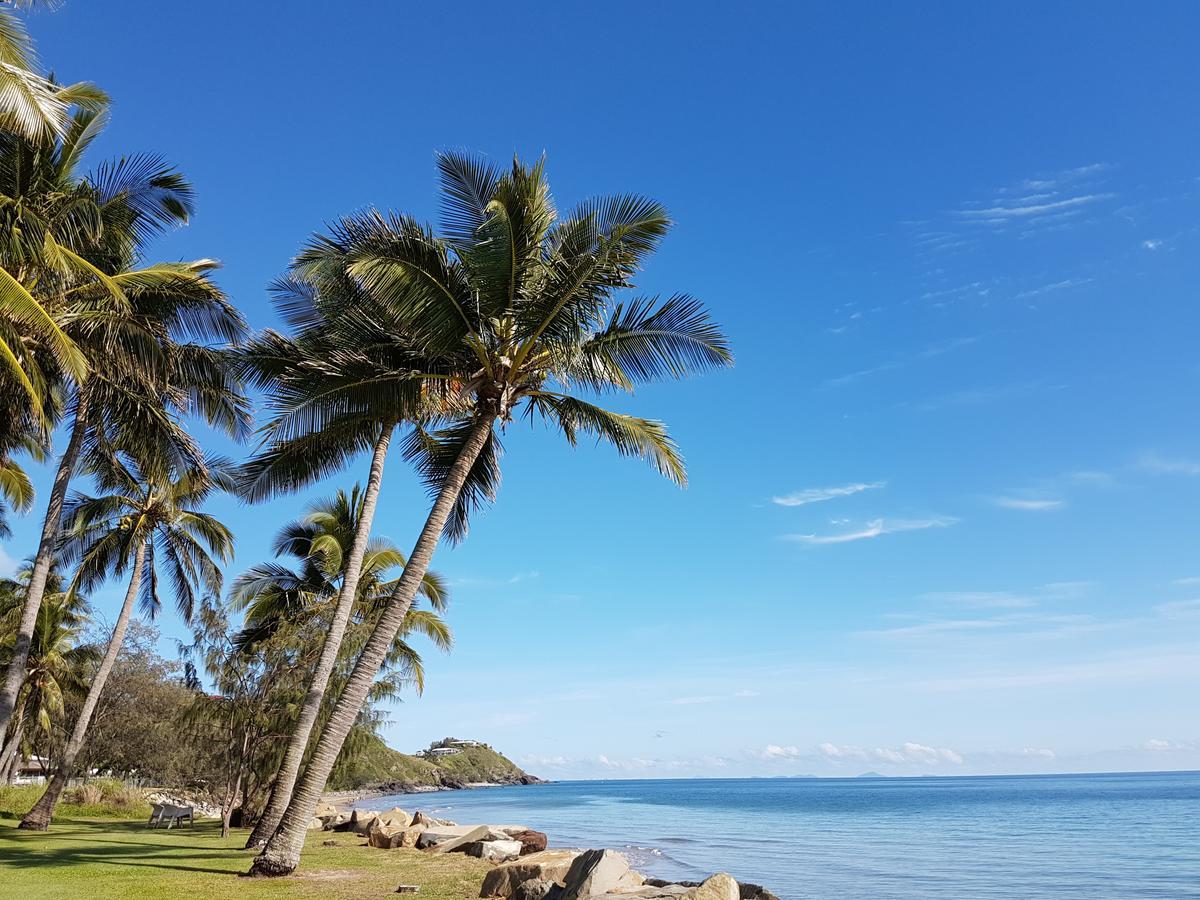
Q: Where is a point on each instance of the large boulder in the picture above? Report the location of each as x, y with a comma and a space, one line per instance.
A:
359, 822
549, 865
420, 818
537, 889
718, 887
531, 841
325, 809
594, 872
385, 837
316, 824
410, 835
494, 851
475, 833
748, 891
438, 834
336, 822
395, 818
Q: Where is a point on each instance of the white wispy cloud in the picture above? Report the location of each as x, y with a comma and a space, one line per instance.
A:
776, 751
1179, 609
1152, 244
472, 581
1158, 465
981, 599
1187, 582
909, 753
873, 529
1054, 286
1027, 624
930, 352
1158, 745
819, 495
1028, 504
1027, 210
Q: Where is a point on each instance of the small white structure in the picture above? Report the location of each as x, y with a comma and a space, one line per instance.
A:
465, 744
443, 751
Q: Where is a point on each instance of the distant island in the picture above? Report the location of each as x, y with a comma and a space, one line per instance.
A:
871, 775
448, 764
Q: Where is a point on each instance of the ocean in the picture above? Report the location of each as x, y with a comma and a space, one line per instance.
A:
1099, 837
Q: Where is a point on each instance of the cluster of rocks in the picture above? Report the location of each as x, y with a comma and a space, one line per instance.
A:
396, 829
594, 874
525, 869
201, 808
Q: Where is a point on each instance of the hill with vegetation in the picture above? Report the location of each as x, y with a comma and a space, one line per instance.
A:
446, 764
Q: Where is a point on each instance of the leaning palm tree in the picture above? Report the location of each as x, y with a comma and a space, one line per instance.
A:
149, 521
309, 365
146, 330
513, 310
59, 661
324, 544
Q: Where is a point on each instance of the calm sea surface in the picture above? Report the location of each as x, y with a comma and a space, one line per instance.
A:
1099, 837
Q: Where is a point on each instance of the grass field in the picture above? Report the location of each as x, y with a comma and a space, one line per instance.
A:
115, 860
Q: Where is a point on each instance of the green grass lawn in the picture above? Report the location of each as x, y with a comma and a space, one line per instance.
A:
101, 859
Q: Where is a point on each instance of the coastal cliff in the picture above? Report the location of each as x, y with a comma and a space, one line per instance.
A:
446, 765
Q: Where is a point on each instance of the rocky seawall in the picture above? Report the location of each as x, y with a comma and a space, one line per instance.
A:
525, 867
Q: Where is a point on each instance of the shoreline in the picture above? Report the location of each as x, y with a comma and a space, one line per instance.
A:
349, 798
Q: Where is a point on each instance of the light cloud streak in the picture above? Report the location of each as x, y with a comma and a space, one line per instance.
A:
1028, 504
873, 529
820, 495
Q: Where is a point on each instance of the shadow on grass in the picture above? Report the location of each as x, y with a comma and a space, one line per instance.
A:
72, 842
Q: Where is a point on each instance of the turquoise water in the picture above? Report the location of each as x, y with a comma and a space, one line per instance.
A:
1099, 837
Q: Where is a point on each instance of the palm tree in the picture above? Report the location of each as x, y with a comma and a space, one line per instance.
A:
150, 520
16, 490
512, 311
308, 366
59, 661
146, 329
32, 106
322, 543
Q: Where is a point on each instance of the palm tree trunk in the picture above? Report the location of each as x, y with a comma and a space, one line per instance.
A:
289, 769
10, 756
41, 564
38, 818
282, 852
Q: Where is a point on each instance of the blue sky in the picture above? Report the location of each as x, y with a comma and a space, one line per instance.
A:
942, 515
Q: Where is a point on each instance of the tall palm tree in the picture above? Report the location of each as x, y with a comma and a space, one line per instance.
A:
513, 310
322, 543
146, 330
150, 520
59, 661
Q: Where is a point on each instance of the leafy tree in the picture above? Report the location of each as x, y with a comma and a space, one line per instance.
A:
150, 521
135, 730
323, 544
512, 311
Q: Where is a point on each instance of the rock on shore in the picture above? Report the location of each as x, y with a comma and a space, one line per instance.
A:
525, 869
